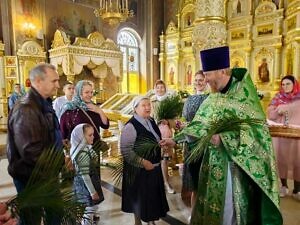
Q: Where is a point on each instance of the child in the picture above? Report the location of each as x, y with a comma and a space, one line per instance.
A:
87, 180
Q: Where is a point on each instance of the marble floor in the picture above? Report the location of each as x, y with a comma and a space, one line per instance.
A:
110, 209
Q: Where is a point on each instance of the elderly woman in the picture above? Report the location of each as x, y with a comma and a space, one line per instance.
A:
82, 110
191, 105
143, 191
285, 109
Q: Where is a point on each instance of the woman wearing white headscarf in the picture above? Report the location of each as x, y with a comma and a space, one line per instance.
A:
165, 127
143, 191
87, 185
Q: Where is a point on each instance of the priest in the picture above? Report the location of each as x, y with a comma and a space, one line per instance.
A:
238, 182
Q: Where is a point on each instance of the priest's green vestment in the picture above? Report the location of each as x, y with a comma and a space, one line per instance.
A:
246, 150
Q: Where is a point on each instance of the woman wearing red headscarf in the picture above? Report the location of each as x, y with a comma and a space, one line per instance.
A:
285, 109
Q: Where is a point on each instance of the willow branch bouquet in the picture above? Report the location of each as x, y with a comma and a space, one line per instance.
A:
169, 108
225, 125
144, 148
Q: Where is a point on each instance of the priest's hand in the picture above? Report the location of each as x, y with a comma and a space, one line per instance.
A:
216, 140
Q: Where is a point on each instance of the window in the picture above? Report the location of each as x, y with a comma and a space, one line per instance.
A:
129, 46
128, 42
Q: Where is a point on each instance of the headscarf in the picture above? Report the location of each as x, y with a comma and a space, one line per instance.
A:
77, 101
137, 100
160, 97
78, 141
22, 91
284, 98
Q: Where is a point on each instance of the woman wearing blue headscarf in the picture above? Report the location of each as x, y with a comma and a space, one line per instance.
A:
82, 110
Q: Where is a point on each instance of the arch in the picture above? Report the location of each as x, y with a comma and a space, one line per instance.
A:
129, 37
129, 43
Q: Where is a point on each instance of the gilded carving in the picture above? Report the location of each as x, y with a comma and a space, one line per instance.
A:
83, 42
241, 45
268, 42
109, 45
206, 8
96, 39
31, 48
70, 64
237, 22
92, 49
265, 7
264, 52
210, 34
60, 39
293, 35
171, 28
256, 33
291, 23
83, 51
71, 78
1, 46
293, 7
289, 61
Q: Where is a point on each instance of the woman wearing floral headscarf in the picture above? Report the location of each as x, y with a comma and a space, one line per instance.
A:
285, 109
82, 110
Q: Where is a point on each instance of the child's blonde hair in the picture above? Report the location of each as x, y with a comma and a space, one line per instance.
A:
85, 126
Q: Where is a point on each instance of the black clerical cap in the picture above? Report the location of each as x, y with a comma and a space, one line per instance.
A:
215, 58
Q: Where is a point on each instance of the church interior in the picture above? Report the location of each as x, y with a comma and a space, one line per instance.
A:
124, 46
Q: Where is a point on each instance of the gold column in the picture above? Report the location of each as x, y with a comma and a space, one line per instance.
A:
162, 56
277, 69
2, 79
248, 59
210, 25
69, 68
120, 80
297, 62
21, 69
277, 62
101, 93
3, 98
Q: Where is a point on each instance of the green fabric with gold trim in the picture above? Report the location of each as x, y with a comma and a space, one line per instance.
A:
246, 146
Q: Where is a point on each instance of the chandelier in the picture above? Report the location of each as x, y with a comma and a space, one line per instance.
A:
113, 12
